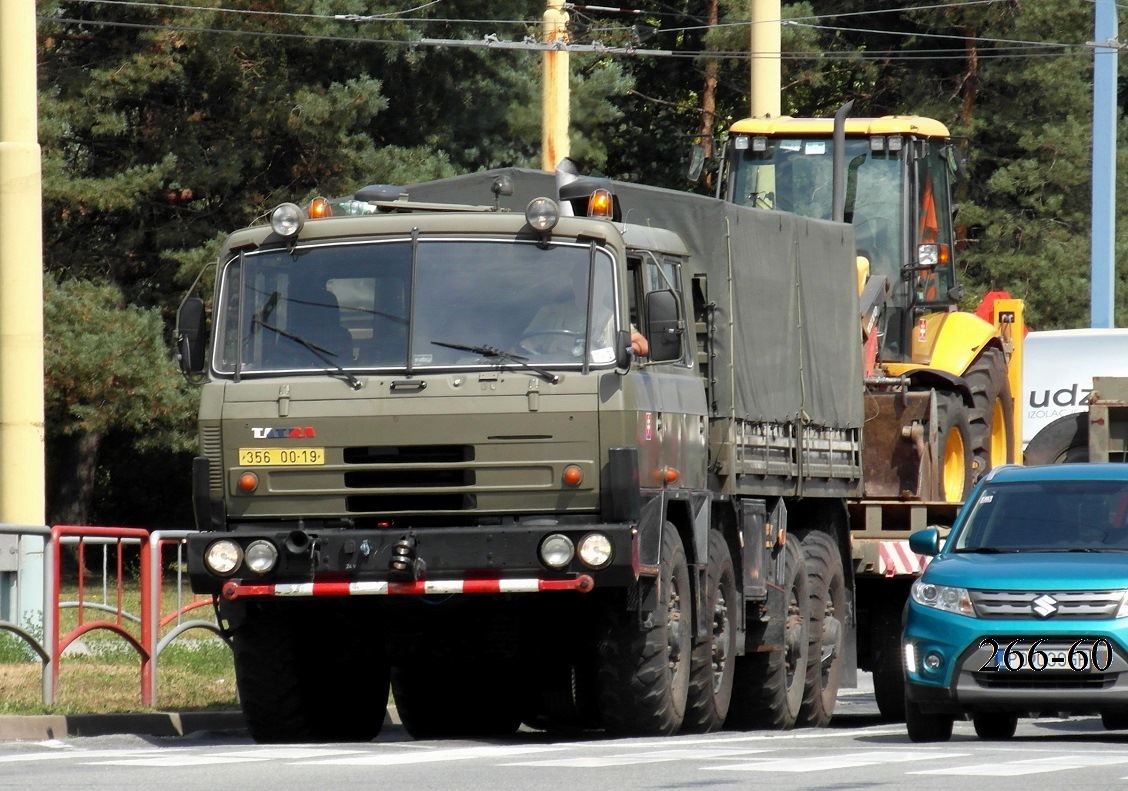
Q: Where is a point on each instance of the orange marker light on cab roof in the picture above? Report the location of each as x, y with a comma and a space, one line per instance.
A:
601, 204
248, 482
319, 209
573, 475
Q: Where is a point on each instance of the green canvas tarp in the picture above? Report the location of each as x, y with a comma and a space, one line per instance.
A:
788, 330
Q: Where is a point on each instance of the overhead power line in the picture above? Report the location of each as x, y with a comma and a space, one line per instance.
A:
1005, 48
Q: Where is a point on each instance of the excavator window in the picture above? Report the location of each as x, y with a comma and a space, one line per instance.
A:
934, 227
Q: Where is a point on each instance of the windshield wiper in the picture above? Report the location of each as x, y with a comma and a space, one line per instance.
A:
320, 352
502, 356
984, 550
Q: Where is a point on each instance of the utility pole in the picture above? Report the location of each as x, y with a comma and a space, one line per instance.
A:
554, 119
21, 273
1102, 277
766, 73
22, 488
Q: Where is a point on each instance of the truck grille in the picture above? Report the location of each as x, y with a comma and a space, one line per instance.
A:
1040, 605
211, 443
396, 468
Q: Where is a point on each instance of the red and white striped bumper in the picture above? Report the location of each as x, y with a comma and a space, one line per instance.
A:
235, 589
895, 557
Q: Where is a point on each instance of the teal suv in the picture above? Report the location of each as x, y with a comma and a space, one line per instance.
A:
1023, 609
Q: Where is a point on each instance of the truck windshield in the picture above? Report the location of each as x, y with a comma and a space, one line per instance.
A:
362, 305
1048, 516
797, 175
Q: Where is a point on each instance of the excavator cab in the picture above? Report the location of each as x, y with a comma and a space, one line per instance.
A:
891, 179
897, 197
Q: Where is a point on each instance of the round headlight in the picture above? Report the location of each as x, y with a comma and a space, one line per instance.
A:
261, 556
595, 550
557, 551
287, 220
223, 557
542, 214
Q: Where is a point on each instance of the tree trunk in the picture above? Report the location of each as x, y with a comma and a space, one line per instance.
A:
709, 96
970, 88
71, 483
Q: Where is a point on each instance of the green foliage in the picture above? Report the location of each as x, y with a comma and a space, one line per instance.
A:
163, 127
107, 364
14, 649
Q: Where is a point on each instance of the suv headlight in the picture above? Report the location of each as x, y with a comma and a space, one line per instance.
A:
943, 597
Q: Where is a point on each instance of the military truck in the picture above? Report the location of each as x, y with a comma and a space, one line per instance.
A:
431, 460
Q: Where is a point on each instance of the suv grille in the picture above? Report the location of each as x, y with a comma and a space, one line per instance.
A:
1040, 605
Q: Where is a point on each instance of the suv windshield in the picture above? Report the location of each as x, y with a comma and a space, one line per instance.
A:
447, 303
1047, 516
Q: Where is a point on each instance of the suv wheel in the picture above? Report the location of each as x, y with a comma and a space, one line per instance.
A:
925, 726
994, 726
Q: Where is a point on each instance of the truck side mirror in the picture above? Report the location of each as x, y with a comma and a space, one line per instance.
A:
190, 336
663, 327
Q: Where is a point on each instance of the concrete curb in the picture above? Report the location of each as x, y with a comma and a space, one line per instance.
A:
169, 723
40, 727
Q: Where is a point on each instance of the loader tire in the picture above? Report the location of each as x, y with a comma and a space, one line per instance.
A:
768, 687
644, 668
1065, 441
954, 451
826, 583
992, 418
711, 674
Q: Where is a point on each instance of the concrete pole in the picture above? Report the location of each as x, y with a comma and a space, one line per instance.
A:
554, 120
22, 487
1102, 282
766, 74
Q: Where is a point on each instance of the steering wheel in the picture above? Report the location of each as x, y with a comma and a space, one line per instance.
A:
558, 333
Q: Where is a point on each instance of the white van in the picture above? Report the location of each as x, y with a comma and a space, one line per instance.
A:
1058, 367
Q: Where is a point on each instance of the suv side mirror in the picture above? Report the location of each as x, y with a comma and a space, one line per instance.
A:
663, 327
190, 336
925, 542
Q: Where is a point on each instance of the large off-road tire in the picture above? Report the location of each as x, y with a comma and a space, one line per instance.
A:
562, 697
455, 698
711, 673
992, 418
286, 657
954, 449
926, 726
644, 669
826, 583
1065, 441
768, 687
888, 660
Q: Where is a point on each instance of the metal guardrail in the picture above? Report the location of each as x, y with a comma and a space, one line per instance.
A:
148, 632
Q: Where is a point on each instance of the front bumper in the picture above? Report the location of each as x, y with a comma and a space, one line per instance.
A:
961, 684
321, 560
